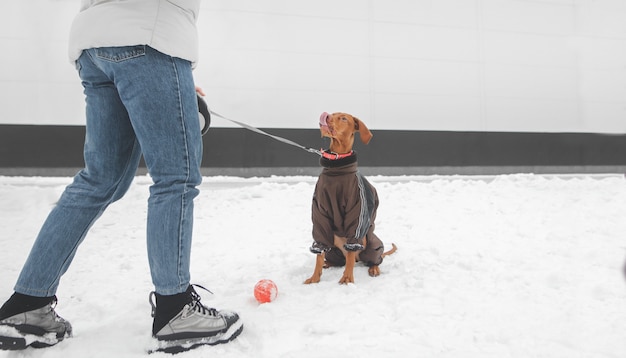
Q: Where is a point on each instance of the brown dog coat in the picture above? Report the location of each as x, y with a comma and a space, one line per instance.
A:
345, 204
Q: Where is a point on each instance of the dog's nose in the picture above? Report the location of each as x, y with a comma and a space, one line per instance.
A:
324, 119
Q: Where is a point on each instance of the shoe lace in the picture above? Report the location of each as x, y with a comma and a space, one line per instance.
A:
53, 303
197, 305
194, 300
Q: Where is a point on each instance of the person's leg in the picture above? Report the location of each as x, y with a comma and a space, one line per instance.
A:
159, 94
111, 155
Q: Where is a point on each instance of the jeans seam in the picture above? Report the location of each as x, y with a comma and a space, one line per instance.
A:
187, 174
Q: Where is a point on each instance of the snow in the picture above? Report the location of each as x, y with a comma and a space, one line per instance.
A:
494, 266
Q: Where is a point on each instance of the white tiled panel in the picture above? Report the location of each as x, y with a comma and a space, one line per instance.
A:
462, 65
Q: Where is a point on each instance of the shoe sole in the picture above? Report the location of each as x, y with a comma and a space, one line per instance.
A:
12, 344
18, 344
13, 339
184, 345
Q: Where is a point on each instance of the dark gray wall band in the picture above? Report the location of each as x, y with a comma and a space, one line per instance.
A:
30, 146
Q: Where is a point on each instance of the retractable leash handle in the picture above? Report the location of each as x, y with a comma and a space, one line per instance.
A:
204, 115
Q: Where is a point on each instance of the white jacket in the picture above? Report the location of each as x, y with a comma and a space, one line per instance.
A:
168, 26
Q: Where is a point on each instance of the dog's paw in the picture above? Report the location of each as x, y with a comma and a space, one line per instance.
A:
374, 271
346, 279
312, 279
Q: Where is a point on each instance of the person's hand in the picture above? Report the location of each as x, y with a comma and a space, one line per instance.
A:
200, 91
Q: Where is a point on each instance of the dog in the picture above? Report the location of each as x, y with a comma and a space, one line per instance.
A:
344, 204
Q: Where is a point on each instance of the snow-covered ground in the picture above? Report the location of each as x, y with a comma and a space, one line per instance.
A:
505, 266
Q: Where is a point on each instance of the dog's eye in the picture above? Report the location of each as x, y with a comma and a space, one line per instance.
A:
343, 119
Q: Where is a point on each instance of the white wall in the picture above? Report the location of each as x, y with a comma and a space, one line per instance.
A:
484, 65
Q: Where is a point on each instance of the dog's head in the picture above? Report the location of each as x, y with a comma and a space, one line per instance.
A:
340, 128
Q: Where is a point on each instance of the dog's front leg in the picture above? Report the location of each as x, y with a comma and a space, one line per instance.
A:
317, 273
348, 272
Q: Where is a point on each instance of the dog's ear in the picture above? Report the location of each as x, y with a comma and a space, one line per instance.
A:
364, 133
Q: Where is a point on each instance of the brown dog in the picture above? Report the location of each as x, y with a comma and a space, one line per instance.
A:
344, 204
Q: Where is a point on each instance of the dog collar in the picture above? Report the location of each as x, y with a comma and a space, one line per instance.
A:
335, 156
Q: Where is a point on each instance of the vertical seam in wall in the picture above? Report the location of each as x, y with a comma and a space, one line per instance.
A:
372, 64
481, 65
579, 69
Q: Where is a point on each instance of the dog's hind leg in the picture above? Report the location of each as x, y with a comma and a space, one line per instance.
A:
374, 271
317, 272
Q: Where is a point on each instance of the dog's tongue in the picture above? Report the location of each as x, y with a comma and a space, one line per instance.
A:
323, 119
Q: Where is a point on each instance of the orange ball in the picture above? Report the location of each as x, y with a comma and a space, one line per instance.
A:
265, 291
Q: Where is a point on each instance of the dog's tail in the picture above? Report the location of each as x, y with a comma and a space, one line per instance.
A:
393, 249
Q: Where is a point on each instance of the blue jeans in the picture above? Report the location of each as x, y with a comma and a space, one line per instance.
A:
138, 101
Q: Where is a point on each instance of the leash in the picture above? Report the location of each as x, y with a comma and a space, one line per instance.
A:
280, 139
205, 119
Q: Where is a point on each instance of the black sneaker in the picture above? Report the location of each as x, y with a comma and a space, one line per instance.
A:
195, 325
38, 328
